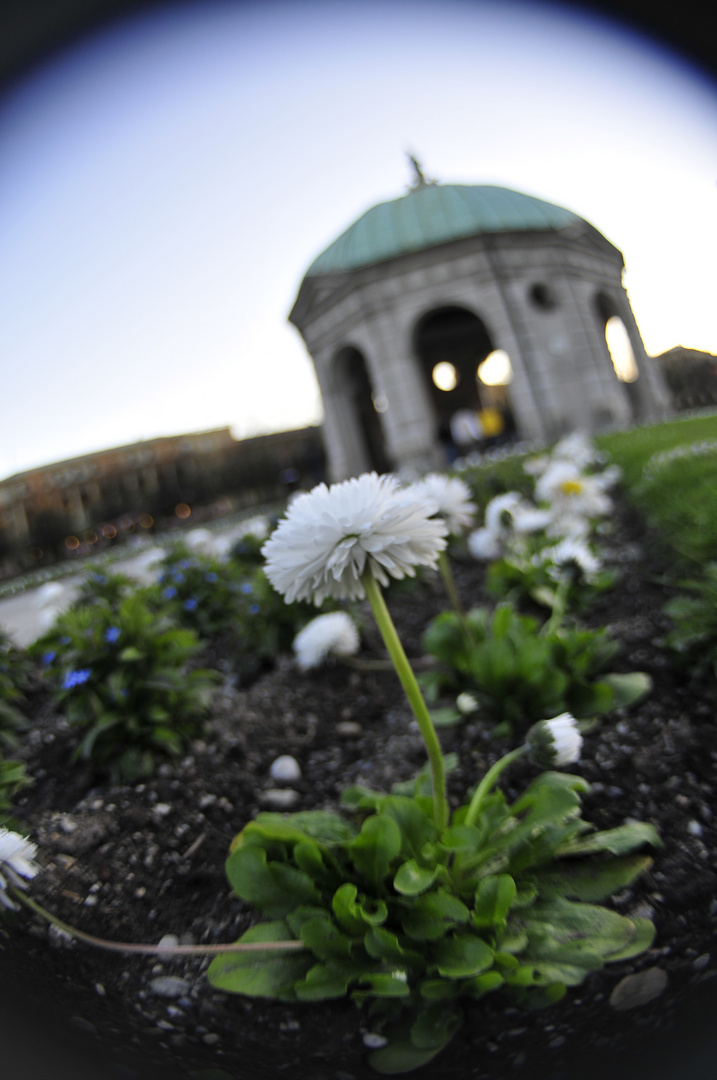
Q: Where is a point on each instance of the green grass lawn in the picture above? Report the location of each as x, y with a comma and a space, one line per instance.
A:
670, 475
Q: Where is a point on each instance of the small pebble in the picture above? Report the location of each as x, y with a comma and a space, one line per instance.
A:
374, 1042
285, 769
348, 729
701, 961
100, 989
161, 809
694, 828
167, 943
280, 798
210, 1039
639, 989
169, 986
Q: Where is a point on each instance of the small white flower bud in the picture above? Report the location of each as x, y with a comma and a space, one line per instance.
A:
466, 703
554, 743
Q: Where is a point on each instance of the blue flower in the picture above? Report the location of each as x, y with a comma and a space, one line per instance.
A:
186, 563
178, 577
76, 678
112, 634
48, 657
254, 609
64, 640
99, 579
211, 577
247, 588
191, 603
169, 593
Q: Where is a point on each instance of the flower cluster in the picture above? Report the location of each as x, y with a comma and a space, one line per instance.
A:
332, 535
567, 501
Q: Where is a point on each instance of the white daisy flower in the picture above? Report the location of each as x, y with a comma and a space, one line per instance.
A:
571, 552
500, 511
530, 519
576, 448
331, 535
556, 742
334, 632
570, 492
16, 863
453, 497
485, 545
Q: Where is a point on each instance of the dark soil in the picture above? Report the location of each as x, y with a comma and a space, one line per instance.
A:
136, 863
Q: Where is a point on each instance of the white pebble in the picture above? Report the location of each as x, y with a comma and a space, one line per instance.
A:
285, 769
161, 809
694, 828
280, 798
167, 943
374, 1042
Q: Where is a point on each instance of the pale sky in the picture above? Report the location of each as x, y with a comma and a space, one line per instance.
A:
165, 185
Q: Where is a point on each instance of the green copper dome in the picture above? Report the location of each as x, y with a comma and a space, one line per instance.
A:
433, 214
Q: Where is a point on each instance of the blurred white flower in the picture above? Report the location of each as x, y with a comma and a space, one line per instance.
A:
331, 535
452, 496
530, 519
334, 632
199, 540
535, 466
500, 511
16, 863
466, 703
576, 448
570, 492
556, 742
144, 568
571, 552
485, 545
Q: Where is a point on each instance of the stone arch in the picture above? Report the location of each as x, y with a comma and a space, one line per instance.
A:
454, 335
624, 366
361, 429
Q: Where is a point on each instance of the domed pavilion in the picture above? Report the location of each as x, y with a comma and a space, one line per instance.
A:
457, 298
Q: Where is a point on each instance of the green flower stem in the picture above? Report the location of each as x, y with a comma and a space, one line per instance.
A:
487, 783
413, 693
152, 950
559, 607
449, 582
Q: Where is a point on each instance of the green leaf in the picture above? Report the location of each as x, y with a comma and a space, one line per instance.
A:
448, 716
461, 956
629, 687
375, 848
619, 841
383, 984
131, 654
356, 911
323, 981
382, 944
274, 888
591, 879
494, 897
412, 879
643, 938
268, 974
400, 1056
483, 984
325, 939
432, 915
435, 1026
416, 827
